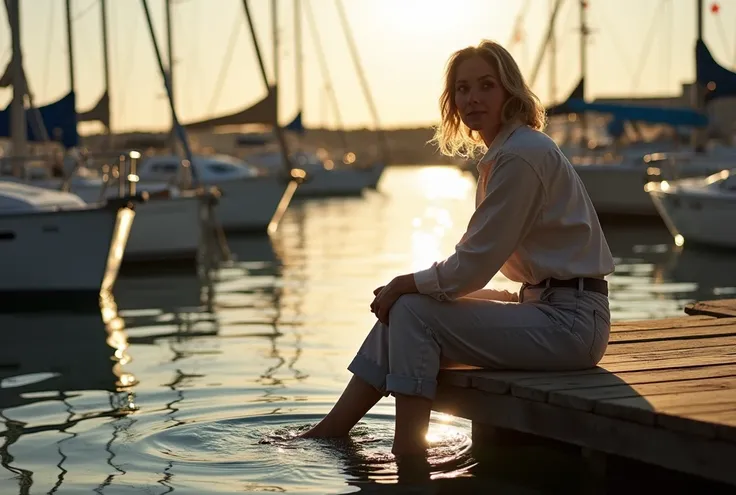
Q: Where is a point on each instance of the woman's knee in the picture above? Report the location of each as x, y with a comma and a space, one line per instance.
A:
409, 304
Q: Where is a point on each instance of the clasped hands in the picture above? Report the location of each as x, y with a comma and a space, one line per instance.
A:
387, 295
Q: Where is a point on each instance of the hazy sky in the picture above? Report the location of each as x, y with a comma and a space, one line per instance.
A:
637, 47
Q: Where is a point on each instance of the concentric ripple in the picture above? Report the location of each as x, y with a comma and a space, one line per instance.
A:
267, 449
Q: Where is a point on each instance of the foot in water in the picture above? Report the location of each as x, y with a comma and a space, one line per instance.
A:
319, 431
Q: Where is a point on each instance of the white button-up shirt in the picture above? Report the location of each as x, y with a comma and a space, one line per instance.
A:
533, 220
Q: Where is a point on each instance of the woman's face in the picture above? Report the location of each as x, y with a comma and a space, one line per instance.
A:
479, 96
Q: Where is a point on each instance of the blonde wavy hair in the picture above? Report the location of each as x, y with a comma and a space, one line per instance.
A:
455, 138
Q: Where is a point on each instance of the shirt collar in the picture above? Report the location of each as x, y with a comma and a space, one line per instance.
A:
506, 131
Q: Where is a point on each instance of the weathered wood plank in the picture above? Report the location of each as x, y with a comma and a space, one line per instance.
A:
499, 382
671, 344
715, 351
710, 458
586, 399
675, 333
719, 308
644, 410
643, 363
664, 385
538, 388
664, 323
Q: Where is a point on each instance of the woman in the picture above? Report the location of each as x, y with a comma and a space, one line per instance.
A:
533, 221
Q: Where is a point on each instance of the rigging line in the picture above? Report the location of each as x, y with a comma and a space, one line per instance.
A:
86, 10
383, 141
226, 62
667, 45
647, 46
546, 38
50, 39
324, 68
128, 62
615, 41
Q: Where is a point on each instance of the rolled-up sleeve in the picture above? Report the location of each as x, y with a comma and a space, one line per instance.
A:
513, 200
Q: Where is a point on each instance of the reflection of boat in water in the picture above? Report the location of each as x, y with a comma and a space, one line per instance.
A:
59, 363
713, 273
61, 352
252, 249
166, 292
637, 243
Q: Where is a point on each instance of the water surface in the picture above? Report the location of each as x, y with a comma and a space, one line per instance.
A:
193, 384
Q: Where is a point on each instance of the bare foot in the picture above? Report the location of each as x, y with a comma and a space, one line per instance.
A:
319, 431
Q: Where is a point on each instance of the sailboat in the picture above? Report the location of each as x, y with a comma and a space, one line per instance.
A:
616, 186
57, 250
168, 227
702, 210
326, 176
54, 248
250, 201
615, 179
699, 210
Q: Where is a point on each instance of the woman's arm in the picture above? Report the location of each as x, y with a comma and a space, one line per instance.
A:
493, 295
514, 199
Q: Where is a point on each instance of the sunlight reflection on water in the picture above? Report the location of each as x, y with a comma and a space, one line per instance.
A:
204, 386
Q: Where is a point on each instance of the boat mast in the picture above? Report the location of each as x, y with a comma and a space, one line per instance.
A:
698, 91
584, 67
70, 52
298, 60
170, 69
181, 133
106, 64
17, 110
277, 128
363, 82
328, 95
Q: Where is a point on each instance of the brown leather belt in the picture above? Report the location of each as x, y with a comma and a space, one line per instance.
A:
592, 284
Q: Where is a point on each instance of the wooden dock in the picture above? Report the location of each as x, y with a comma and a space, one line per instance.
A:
664, 394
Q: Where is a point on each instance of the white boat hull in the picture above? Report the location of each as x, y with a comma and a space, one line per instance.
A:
77, 252
335, 182
618, 188
166, 229
254, 204
698, 218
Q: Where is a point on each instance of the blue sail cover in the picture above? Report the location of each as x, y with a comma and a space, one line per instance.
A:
59, 118
626, 112
563, 108
296, 124
718, 81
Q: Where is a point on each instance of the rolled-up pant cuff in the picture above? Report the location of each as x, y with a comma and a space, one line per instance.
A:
370, 372
407, 385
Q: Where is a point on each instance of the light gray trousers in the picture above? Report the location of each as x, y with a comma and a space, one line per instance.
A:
549, 329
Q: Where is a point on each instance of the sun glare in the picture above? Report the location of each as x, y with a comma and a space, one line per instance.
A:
420, 17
